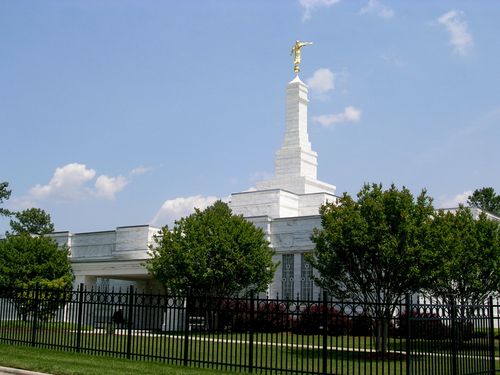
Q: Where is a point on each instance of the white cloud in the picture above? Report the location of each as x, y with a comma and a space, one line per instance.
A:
350, 114
106, 187
455, 201
310, 5
67, 183
377, 8
174, 209
140, 170
322, 81
74, 182
460, 37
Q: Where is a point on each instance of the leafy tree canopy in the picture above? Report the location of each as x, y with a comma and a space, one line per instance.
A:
470, 252
214, 252
485, 199
32, 221
26, 260
4, 195
373, 249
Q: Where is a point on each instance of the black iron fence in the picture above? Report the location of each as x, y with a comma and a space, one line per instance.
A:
255, 334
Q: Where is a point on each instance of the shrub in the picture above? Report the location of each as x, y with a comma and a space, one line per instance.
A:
424, 325
312, 319
362, 325
273, 317
268, 316
233, 315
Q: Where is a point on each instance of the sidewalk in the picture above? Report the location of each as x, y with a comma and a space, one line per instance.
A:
8, 371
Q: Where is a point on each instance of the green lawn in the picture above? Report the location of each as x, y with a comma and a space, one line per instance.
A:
270, 351
64, 363
60, 362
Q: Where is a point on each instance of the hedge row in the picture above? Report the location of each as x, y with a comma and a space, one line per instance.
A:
235, 316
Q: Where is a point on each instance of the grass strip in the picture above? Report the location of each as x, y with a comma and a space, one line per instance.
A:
65, 363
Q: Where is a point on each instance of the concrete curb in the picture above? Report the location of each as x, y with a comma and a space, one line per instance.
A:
8, 370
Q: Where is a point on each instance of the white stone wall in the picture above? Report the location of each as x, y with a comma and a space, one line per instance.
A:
272, 203
119, 254
62, 238
93, 245
262, 222
126, 243
96, 257
296, 162
278, 203
132, 242
292, 236
309, 204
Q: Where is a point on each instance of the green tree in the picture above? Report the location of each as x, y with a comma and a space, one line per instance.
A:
4, 195
27, 261
470, 253
32, 221
373, 249
214, 252
485, 199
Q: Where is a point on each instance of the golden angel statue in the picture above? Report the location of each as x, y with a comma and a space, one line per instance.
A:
296, 50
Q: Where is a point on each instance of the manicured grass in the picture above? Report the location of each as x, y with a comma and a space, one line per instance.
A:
271, 351
64, 363
67, 363
43, 325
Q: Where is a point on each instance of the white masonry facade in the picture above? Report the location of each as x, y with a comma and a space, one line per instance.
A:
286, 207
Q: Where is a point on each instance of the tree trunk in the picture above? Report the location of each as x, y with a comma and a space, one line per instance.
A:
381, 335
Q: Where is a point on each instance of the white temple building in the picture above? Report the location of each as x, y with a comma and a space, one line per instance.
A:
286, 207
295, 189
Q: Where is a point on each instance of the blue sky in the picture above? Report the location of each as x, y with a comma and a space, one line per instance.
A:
118, 112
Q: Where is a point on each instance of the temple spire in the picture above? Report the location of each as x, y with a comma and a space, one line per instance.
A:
295, 158
294, 190
296, 163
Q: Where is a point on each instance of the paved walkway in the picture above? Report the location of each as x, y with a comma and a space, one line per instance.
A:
9, 371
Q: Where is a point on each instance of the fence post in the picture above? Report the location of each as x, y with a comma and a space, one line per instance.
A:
130, 320
408, 333
453, 337
186, 325
35, 314
251, 328
325, 333
80, 317
491, 336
